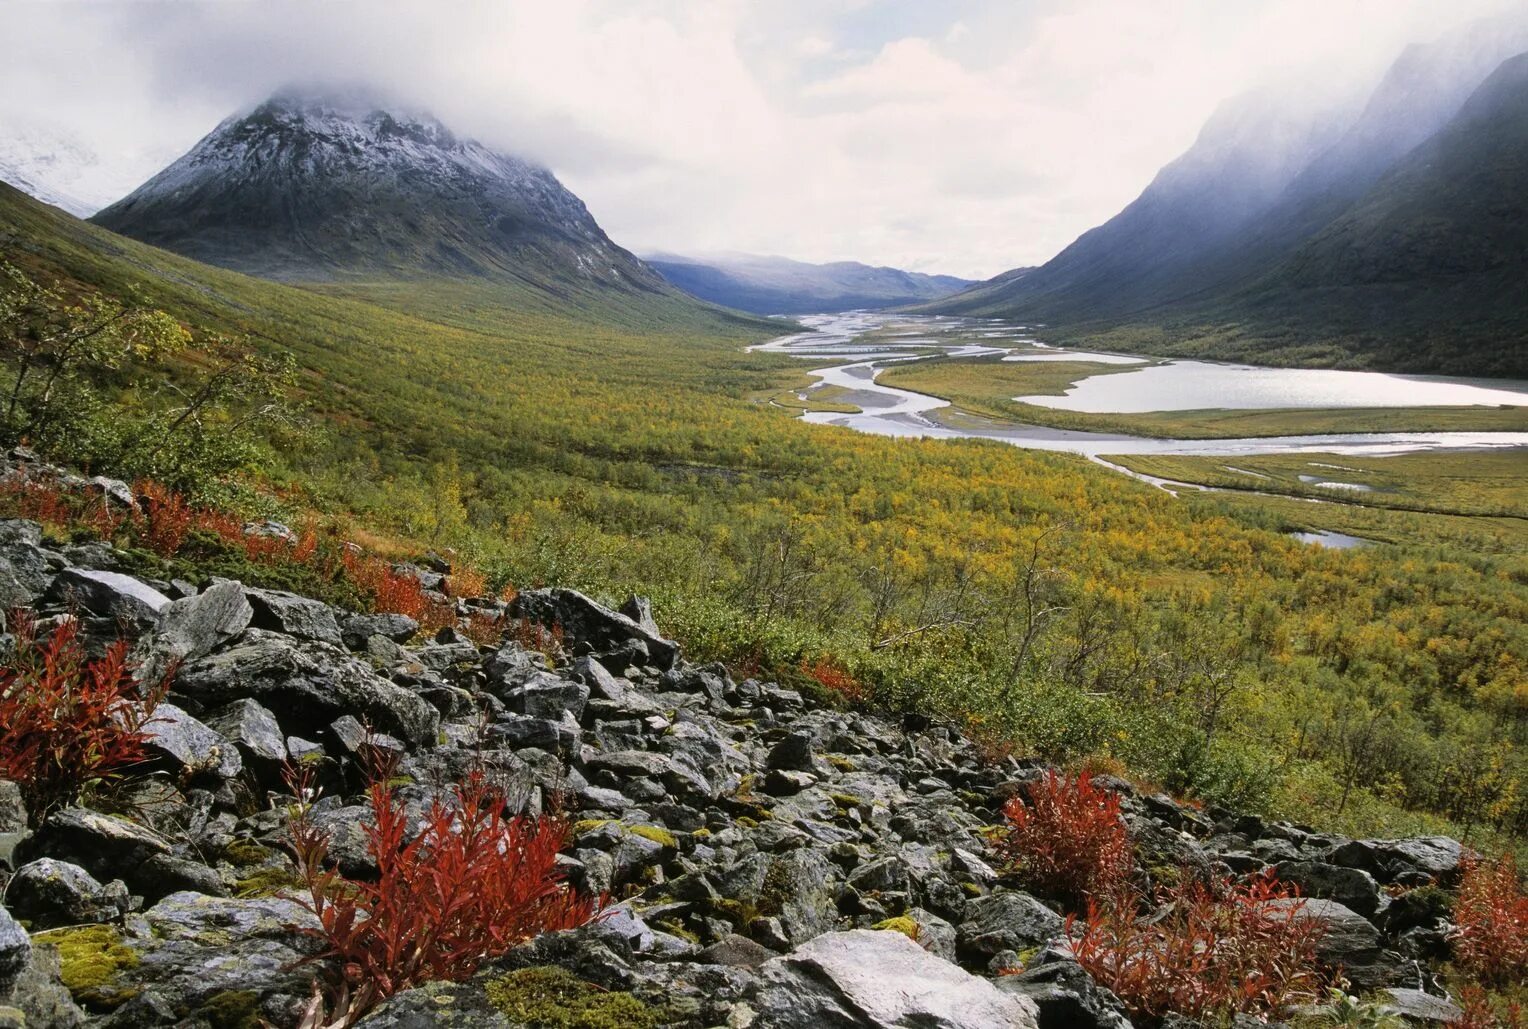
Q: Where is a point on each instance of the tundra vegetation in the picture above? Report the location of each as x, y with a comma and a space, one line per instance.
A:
1054, 607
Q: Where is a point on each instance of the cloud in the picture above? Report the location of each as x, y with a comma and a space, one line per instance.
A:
966, 137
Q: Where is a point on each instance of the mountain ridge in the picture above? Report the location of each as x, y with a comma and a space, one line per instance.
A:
313, 185
769, 284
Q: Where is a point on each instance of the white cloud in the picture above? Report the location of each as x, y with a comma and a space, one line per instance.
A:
966, 138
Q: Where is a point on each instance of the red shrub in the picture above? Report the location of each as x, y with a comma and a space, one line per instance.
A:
535, 636
470, 886
835, 677
1209, 953
66, 721
38, 501
1066, 840
1491, 919
467, 582
164, 519
1480, 1012
484, 629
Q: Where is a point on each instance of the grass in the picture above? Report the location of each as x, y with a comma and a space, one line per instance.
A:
1452, 482
987, 387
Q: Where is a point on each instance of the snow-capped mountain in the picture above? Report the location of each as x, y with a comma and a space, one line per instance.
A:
58, 168
322, 184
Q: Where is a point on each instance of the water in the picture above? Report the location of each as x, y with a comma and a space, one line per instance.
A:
1332, 540
1198, 385
856, 346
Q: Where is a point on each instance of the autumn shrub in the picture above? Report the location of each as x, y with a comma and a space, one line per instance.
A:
1479, 1010
467, 885
835, 678
1208, 951
1491, 922
531, 635
67, 721
484, 629
467, 582
1065, 839
164, 518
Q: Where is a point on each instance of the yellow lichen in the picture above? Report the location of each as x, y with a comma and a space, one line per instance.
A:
90, 957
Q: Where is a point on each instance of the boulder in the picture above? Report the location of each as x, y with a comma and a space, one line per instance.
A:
1433, 856
106, 847
591, 626
545, 695
356, 629
50, 893
251, 727
294, 616
880, 980
1065, 994
13, 808
193, 747
15, 950
1006, 920
109, 595
193, 627
1350, 942
1418, 1008
1350, 887
307, 684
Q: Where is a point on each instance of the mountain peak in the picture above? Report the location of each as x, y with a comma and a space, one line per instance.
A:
326, 181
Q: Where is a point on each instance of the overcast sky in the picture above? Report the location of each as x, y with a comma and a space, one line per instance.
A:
964, 136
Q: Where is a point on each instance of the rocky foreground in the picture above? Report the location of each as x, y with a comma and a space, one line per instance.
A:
763, 850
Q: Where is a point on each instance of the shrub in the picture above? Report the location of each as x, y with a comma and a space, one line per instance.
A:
164, 520
1479, 1010
1066, 840
66, 721
835, 678
1491, 922
1209, 952
467, 885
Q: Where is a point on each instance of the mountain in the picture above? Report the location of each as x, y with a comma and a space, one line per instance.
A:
778, 285
1245, 156
1207, 261
57, 167
324, 185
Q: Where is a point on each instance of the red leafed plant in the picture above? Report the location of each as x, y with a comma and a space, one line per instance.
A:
1207, 951
1491, 922
1066, 839
1479, 1010
834, 677
67, 721
164, 518
468, 885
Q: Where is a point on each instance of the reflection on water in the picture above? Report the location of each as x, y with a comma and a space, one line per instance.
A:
1331, 540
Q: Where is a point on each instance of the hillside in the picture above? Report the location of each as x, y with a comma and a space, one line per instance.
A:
322, 185
1171, 275
777, 285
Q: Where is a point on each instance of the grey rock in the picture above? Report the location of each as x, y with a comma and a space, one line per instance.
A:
870, 980
1006, 920
595, 627
736, 952
15, 950
1434, 856
1065, 994
1420, 1008
13, 809
251, 727
295, 616
307, 684
1350, 942
356, 629
545, 695
164, 874
193, 627
1350, 887
38, 995
109, 595
49, 893
106, 847
794, 753
195, 748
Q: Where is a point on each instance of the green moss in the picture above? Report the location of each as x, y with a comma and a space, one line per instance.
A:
782, 883
233, 1009
901, 924
676, 928
846, 800
840, 762
267, 882
662, 837
744, 822
246, 854
701, 834
90, 957
551, 998
589, 825
972, 890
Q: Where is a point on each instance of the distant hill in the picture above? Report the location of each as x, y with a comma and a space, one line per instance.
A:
54, 166
335, 185
1223, 255
778, 285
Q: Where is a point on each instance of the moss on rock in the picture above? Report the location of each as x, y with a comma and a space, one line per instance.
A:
90, 959
901, 924
552, 998
233, 1009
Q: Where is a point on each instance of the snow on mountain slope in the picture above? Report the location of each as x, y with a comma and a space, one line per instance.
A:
324, 184
58, 168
